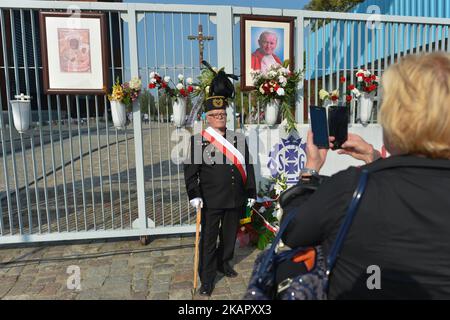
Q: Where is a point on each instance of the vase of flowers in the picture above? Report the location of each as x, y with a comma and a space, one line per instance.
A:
276, 88
21, 111
123, 95
365, 91
179, 93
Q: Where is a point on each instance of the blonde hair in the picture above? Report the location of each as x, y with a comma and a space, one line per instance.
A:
415, 112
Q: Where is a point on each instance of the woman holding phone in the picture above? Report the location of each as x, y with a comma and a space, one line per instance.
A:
398, 246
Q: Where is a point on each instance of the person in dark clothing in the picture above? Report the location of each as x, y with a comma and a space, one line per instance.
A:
402, 225
222, 187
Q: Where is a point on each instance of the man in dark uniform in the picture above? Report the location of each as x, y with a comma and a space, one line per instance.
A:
217, 180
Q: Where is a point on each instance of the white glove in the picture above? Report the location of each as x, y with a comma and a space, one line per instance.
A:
251, 202
196, 202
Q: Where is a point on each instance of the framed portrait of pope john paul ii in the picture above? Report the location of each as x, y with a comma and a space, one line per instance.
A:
265, 41
74, 53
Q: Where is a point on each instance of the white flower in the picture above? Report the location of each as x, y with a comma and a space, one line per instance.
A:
280, 91
360, 79
152, 80
261, 90
189, 81
356, 92
152, 74
285, 71
278, 189
166, 79
135, 83
179, 86
282, 79
180, 77
360, 71
272, 74
367, 74
262, 209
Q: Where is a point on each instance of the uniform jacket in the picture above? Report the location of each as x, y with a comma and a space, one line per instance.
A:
210, 175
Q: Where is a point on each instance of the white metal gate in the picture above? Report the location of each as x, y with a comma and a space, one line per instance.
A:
73, 176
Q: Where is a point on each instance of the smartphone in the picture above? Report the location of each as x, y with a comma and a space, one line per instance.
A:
338, 117
319, 126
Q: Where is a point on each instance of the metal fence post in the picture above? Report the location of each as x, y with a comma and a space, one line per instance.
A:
299, 49
225, 46
137, 125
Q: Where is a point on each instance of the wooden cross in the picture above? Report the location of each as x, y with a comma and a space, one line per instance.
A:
201, 38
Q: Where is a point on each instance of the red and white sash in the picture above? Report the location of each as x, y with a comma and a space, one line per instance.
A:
224, 146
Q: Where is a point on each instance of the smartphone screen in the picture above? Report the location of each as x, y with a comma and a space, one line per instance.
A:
319, 126
338, 125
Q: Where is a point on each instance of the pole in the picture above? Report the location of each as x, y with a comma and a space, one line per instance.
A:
197, 233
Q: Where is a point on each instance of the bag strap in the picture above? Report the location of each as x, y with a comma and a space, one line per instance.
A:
345, 226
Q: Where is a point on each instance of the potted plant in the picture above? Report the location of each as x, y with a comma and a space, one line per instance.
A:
123, 95
21, 110
179, 94
365, 90
276, 88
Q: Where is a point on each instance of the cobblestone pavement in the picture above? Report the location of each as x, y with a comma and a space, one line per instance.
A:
114, 269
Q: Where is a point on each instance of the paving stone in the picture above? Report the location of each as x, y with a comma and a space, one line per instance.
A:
184, 294
181, 285
159, 296
160, 287
50, 290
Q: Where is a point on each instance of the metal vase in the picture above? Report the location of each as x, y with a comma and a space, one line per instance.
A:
21, 110
119, 114
272, 109
179, 111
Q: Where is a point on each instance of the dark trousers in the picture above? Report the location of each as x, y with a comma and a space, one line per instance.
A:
222, 223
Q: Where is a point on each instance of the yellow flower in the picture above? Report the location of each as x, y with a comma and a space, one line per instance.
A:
323, 94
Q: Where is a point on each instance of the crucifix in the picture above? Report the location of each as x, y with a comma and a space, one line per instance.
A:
201, 39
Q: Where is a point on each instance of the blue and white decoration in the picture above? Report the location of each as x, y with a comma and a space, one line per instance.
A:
288, 157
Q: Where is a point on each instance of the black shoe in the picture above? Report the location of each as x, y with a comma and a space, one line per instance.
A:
206, 289
228, 272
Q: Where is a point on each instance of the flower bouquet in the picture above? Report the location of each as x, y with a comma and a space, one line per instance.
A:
179, 92
332, 97
122, 96
264, 217
365, 90
277, 87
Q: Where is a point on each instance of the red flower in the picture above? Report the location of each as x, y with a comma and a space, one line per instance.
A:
334, 98
343, 79
267, 204
190, 89
374, 77
183, 92
360, 74
349, 98
351, 87
368, 80
163, 84
151, 85
372, 88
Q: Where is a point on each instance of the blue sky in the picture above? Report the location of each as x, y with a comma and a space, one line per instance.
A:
286, 4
